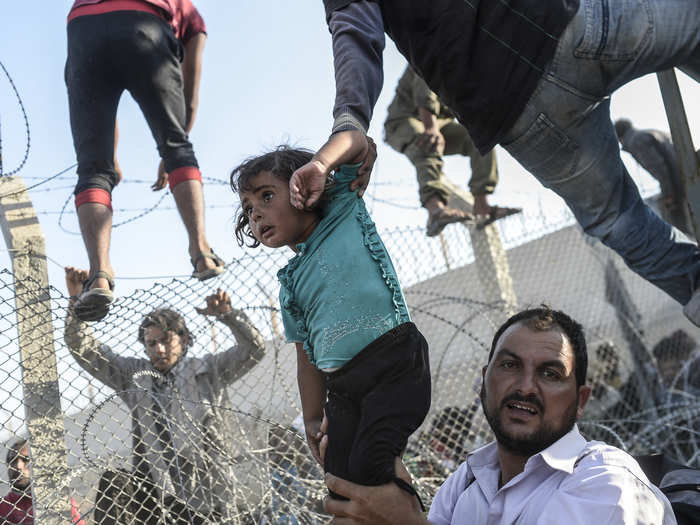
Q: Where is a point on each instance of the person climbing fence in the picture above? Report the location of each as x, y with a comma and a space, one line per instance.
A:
179, 466
422, 128
153, 49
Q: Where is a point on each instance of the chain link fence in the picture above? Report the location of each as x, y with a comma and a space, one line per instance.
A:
220, 440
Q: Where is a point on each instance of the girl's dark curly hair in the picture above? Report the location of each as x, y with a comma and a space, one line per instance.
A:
282, 162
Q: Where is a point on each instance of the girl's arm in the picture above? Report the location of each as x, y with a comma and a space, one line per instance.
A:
312, 388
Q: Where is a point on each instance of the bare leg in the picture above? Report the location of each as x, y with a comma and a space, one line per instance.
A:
481, 207
485, 214
189, 198
96, 226
438, 209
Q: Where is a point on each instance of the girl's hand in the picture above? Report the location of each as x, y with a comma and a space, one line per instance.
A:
314, 435
217, 304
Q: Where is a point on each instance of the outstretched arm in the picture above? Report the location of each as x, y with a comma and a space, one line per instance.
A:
96, 358
249, 349
358, 44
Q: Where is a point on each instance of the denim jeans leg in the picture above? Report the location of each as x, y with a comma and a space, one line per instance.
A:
608, 44
565, 137
582, 164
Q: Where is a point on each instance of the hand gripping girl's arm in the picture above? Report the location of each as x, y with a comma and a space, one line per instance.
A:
358, 43
312, 389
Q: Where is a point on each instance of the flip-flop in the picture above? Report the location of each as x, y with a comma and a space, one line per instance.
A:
497, 213
209, 272
437, 224
93, 304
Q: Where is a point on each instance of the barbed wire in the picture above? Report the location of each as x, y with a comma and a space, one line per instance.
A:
26, 125
143, 213
43, 181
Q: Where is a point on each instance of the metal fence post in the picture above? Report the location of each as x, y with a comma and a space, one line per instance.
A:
489, 255
42, 402
683, 143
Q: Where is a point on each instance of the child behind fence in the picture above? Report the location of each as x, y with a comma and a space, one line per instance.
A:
357, 349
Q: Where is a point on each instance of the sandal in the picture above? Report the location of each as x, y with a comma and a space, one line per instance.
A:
93, 304
496, 213
437, 224
209, 272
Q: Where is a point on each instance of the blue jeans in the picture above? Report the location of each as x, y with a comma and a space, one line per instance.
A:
566, 139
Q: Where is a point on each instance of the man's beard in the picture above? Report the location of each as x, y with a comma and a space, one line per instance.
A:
19, 483
537, 441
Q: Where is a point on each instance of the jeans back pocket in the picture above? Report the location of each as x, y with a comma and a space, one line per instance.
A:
614, 29
546, 151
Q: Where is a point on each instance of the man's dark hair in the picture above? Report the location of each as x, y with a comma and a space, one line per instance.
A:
622, 125
678, 345
282, 162
544, 319
13, 451
168, 321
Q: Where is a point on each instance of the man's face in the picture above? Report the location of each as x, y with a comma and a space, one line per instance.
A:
529, 394
18, 470
668, 369
163, 348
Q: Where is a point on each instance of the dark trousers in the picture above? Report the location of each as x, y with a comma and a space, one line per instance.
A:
124, 498
375, 402
107, 54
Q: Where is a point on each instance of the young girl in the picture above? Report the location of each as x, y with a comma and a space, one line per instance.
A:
357, 349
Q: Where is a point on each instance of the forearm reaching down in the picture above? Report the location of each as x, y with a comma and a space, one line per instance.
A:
358, 44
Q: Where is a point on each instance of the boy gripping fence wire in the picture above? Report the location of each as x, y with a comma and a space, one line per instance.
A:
357, 350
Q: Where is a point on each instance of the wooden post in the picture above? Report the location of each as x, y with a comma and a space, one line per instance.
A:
683, 143
489, 256
42, 402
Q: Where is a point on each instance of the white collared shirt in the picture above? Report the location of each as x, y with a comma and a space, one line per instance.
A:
572, 482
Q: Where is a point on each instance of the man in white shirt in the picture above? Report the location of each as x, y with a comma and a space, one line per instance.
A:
540, 470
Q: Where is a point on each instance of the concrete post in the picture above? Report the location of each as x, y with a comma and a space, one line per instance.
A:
490, 257
683, 143
42, 402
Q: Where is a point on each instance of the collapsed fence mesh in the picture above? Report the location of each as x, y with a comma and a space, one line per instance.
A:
220, 439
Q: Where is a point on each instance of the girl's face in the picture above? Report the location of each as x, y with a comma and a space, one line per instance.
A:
272, 219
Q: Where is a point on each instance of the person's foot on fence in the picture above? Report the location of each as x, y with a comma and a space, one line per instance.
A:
207, 265
91, 297
440, 215
495, 213
485, 214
